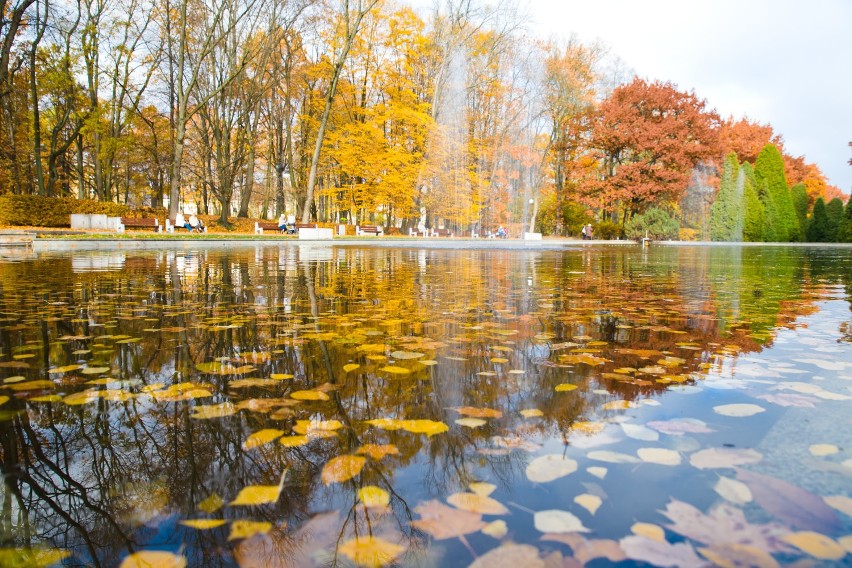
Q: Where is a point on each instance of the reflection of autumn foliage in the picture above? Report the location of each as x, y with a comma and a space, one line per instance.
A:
394, 334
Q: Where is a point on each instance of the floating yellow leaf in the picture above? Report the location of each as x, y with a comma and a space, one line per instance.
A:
44, 398
372, 496
212, 504
65, 369
293, 441
372, 348
82, 397
4, 399
202, 524
351, 367
618, 405
371, 551
385, 423
406, 355
588, 428
565, 387
257, 495
376, 451
206, 412
95, 370
427, 362
496, 529
247, 529
428, 427
280, 376
648, 530
839, 502
249, 383
477, 504
342, 468
149, 558
31, 557
482, 488
499, 360
395, 370
479, 412
471, 422
816, 544
262, 437
308, 395
823, 449
219, 368
32, 385
531, 413
588, 502
9, 381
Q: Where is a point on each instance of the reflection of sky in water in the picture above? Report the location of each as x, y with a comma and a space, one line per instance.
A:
641, 363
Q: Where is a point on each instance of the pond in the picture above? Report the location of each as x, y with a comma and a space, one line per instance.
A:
341, 406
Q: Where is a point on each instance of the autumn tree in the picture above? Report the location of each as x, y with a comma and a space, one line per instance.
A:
647, 137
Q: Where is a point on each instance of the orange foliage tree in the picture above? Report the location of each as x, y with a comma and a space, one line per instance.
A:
647, 137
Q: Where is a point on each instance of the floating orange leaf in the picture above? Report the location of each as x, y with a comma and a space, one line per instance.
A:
342, 468
371, 551
477, 504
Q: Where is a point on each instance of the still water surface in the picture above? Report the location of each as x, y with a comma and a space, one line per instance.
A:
325, 406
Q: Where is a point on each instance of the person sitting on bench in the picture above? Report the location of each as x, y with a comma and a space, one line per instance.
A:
195, 224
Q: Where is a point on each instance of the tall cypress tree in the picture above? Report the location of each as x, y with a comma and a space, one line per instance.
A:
818, 224
834, 212
781, 218
726, 214
844, 233
753, 222
799, 195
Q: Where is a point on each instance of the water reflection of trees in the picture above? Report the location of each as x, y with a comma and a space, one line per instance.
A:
99, 478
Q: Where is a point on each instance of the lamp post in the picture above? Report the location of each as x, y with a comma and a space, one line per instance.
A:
532, 215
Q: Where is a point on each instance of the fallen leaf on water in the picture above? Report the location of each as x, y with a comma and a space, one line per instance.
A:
211, 504
823, 449
660, 553
599, 472
444, 522
531, 413
395, 370
371, 551
202, 524
733, 491
839, 502
32, 385
209, 411
477, 504
648, 530
791, 504
738, 410
565, 387
471, 422
342, 468
478, 412
660, 456
351, 367
550, 467
293, 441
681, 426
246, 529
639, 432
556, 521
816, 544
280, 376
260, 494
611, 457
714, 458
588, 428
496, 529
372, 496
428, 427
729, 555
149, 558
584, 551
405, 355
510, 556
482, 488
308, 395
376, 451
262, 437
724, 524
64, 369
588, 502
846, 543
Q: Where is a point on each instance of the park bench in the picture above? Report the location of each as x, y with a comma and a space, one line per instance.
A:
139, 223
412, 232
170, 227
261, 226
442, 233
364, 230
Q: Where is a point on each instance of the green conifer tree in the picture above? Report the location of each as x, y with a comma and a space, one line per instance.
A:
753, 222
726, 213
834, 212
781, 220
818, 224
799, 195
844, 233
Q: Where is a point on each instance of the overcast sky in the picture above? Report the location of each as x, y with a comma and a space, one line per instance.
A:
783, 62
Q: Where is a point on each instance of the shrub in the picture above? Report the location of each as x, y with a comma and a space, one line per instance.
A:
607, 230
686, 234
38, 211
656, 224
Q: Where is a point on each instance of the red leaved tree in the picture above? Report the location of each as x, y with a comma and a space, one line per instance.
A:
647, 137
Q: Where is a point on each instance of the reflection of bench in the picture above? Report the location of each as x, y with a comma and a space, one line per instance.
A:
442, 233
365, 230
139, 223
260, 226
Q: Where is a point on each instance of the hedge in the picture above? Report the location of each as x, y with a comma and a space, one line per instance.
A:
37, 211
